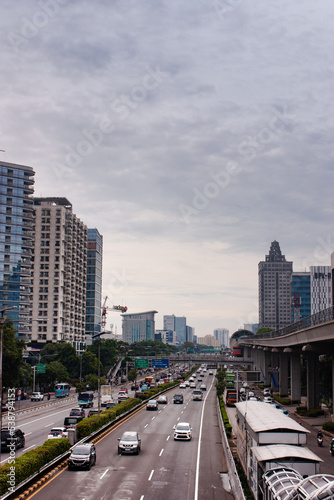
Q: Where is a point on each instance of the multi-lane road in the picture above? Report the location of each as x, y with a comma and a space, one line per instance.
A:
165, 469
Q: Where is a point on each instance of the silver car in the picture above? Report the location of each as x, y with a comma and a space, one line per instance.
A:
129, 443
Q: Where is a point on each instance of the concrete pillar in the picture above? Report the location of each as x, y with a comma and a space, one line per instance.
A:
274, 372
295, 363
283, 375
265, 365
313, 397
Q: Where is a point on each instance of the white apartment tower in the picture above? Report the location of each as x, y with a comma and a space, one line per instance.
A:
321, 288
59, 274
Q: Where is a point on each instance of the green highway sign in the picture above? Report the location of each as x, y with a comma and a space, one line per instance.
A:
142, 363
41, 368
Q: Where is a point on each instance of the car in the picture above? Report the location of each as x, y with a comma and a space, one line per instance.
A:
210, 372
12, 438
197, 395
192, 385
191, 379
252, 398
82, 455
283, 410
122, 396
71, 421
268, 399
110, 404
37, 396
251, 394
199, 379
187, 383
134, 387
92, 411
57, 432
77, 412
178, 399
203, 387
152, 404
129, 443
182, 386
182, 431
266, 391
162, 400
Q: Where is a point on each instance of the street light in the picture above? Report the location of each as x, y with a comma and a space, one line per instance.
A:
98, 335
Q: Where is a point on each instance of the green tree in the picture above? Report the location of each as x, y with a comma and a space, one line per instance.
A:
220, 381
264, 329
54, 372
108, 352
12, 356
89, 363
132, 375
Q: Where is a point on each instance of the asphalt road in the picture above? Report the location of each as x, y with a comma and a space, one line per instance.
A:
165, 469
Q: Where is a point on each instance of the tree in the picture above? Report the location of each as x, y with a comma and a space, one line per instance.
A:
108, 352
12, 356
264, 329
54, 372
89, 363
132, 375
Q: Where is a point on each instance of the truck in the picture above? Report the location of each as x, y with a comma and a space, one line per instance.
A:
231, 397
106, 397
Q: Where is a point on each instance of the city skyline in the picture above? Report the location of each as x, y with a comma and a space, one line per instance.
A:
190, 135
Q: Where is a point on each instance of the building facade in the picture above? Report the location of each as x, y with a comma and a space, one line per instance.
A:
138, 327
209, 340
16, 233
275, 276
321, 288
59, 274
94, 282
178, 324
301, 295
165, 336
223, 336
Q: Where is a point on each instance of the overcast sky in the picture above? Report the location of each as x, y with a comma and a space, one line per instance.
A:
191, 134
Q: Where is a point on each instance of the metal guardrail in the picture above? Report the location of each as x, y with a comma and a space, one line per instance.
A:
318, 318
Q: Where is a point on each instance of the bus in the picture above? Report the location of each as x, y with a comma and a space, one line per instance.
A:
86, 399
229, 380
62, 390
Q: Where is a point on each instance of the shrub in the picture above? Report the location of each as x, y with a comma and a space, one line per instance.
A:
315, 413
301, 410
31, 462
328, 426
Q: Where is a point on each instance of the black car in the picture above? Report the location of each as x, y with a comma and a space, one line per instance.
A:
71, 421
92, 411
10, 437
82, 455
178, 398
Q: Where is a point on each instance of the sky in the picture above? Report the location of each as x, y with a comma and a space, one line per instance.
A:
191, 134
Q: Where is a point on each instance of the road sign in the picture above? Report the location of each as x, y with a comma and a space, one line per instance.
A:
160, 363
41, 368
142, 363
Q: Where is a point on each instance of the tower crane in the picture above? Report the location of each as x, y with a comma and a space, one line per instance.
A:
123, 309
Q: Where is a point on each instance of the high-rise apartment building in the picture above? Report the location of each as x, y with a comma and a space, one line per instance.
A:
223, 336
94, 282
16, 222
275, 275
301, 295
321, 288
59, 274
138, 327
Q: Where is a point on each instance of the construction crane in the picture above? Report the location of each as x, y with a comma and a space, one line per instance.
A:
123, 309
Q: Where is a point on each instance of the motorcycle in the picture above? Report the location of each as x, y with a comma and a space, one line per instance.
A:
320, 441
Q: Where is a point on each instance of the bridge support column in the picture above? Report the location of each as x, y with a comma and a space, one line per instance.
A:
274, 373
313, 399
265, 366
283, 375
295, 362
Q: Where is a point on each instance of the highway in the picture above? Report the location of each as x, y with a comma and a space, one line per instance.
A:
165, 469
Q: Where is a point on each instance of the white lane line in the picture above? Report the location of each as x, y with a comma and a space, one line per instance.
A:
105, 472
46, 416
161, 452
142, 497
167, 438
27, 433
49, 424
199, 445
152, 418
152, 472
145, 426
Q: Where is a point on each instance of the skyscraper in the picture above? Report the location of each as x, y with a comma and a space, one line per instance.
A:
94, 282
223, 335
275, 275
301, 295
139, 326
16, 222
321, 288
60, 274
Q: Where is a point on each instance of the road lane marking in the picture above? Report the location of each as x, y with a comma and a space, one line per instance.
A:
49, 424
168, 438
145, 426
152, 472
161, 452
105, 472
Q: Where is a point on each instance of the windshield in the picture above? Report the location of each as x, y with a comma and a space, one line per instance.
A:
183, 427
56, 433
80, 450
84, 396
128, 437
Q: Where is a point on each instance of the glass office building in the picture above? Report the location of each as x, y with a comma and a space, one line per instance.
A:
301, 295
16, 224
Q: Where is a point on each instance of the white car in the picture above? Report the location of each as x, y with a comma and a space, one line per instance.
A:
58, 432
268, 399
192, 385
182, 431
182, 386
37, 396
